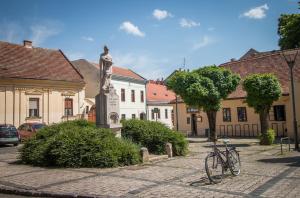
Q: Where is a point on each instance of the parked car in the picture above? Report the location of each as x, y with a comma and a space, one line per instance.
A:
27, 130
9, 134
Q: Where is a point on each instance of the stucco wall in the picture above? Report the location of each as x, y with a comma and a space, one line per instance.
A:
127, 107
14, 102
249, 128
167, 121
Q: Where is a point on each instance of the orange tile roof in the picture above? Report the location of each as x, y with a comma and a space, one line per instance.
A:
158, 93
119, 71
17, 61
265, 62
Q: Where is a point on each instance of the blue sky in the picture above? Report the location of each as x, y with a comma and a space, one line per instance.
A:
150, 37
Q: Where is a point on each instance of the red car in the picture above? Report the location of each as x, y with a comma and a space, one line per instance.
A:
26, 130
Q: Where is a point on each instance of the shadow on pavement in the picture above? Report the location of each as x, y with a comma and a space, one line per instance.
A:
290, 161
229, 145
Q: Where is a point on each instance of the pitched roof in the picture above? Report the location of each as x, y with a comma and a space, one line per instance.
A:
250, 53
158, 93
17, 61
265, 62
124, 72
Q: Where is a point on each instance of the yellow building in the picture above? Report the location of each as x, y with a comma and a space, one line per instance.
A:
38, 85
235, 118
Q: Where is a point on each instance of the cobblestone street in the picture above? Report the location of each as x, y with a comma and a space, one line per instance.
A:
265, 173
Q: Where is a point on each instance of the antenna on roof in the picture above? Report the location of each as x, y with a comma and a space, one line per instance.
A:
183, 63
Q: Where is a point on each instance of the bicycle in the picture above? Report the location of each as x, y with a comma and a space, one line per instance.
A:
219, 161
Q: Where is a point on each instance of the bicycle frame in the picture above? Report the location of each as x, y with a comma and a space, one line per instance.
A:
220, 153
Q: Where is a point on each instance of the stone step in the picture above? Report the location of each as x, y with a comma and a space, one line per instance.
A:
153, 158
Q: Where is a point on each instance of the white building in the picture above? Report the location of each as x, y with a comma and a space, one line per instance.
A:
130, 87
158, 103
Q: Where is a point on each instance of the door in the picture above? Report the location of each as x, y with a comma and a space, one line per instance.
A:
194, 124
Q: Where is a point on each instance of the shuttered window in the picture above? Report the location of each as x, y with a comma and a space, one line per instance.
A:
68, 107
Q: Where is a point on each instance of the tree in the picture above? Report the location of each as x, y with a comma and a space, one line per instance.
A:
205, 88
289, 31
262, 90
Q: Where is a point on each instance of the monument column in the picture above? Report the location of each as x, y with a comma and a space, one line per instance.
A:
107, 101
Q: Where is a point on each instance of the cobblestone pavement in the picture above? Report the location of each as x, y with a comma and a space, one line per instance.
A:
265, 173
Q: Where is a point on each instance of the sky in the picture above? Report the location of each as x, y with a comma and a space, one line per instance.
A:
153, 38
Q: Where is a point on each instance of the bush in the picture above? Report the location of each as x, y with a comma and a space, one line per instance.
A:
78, 144
154, 136
267, 138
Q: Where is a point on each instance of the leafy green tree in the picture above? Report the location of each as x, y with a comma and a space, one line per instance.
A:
289, 31
262, 90
205, 88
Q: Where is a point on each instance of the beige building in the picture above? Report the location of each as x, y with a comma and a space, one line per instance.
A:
235, 118
38, 85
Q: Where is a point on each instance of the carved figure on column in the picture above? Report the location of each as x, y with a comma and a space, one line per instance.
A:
105, 64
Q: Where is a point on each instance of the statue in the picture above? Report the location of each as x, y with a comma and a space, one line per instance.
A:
107, 101
105, 64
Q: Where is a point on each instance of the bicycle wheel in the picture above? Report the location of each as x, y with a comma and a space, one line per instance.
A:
234, 162
214, 168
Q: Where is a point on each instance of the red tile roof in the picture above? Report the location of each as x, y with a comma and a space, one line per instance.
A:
265, 62
158, 93
119, 71
17, 61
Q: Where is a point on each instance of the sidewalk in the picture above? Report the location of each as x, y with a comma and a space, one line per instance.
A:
264, 173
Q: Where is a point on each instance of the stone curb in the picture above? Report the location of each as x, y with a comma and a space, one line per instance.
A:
34, 193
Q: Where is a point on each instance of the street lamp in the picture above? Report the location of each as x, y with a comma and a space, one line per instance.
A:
290, 60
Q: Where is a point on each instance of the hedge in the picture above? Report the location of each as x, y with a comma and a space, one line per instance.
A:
78, 144
154, 136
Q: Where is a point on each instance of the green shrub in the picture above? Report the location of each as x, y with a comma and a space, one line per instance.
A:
78, 144
154, 136
267, 138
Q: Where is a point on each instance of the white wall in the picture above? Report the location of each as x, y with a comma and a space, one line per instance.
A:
128, 108
167, 121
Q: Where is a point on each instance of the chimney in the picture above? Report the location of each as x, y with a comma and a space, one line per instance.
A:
27, 44
233, 59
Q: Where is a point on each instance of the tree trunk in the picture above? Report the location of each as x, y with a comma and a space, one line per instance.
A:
264, 124
211, 115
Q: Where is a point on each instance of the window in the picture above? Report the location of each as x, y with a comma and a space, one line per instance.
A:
242, 114
142, 96
33, 107
142, 116
132, 96
133, 116
279, 112
68, 107
188, 120
226, 115
123, 95
152, 114
158, 114
166, 113
123, 116
87, 109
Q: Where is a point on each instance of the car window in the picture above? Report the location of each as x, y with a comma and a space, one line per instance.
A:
37, 126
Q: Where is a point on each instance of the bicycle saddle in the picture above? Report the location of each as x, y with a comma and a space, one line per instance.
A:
225, 141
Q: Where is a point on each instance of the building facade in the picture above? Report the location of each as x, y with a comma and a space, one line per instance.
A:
38, 85
236, 118
158, 103
130, 87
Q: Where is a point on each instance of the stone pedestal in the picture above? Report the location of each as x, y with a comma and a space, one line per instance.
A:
108, 111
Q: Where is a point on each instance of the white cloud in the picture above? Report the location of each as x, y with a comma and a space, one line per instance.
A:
130, 28
11, 32
205, 41
187, 23
161, 14
43, 30
74, 55
87, 38
257, 12
211, 29
145, 65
